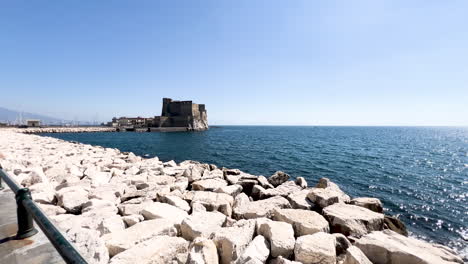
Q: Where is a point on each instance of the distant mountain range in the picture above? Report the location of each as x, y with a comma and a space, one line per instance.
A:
13, 117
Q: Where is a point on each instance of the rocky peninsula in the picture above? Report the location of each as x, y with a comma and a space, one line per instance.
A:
117, 207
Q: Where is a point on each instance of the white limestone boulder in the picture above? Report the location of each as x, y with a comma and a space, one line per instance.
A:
245, 209
133, 208
299, 200
202, 251
208, 184
232, 190
201, 224
232, 241
164, 211
388, 247
89, 244
283, 189
111, 224
281, 260
327, 193
214, 201
316, 248
355, 256
51, 209
352, 220
72, 199
301, 182
304, 222
176, 201
122, 240
157, 250
257, 251
280, 235
372, 204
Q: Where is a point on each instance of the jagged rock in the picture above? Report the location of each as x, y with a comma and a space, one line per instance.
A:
301, 182
34, 176
158, 250
165, 211
99, 206
281, 260
88, 243
107, 192
214, 201
43, 193
161, 180
316, 248
263, 181
208, 184
97, 176
280, 235
198, 208
170, 163
327, 193
341, 243
232, 171
299, 200
232, 179
203, 251
395, 224
355, 256
124, 239
133, 209
231, 241
214, 174
193, 174
283, 189
352, 220
176, 201
110, 225
180, 184
388, 247
245, 209
304, 222
278, 178
132, 219
51, 209
201, 224
372, 204
232, 190
247, 184
72, 199
257, 251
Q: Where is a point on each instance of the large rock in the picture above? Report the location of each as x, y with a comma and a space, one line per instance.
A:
327, 193
111, 225
88, 243
278, 178
214, 201
281, 260
202, 251
164, 211
388, 247
201, 224
283, 189
232, 190
99, 207
122, 240
280, 235
158, 250
355, 256
208, 184
318, 248
352, 220
72, 199
372, 204
133, 208
257, 252
304, 222
299, 200
232, 241
176, 201
245, 209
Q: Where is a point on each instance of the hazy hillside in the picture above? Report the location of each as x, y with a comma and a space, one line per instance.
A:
7, 115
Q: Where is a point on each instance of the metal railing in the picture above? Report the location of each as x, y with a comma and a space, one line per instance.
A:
27, 210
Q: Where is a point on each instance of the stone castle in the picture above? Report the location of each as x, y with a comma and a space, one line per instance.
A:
175, 116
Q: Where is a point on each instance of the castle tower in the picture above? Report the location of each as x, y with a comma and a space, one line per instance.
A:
165, 107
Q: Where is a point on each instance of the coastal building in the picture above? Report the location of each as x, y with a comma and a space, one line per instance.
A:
33, 123
175, 116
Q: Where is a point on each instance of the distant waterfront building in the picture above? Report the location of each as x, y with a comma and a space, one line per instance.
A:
33, 123
176, 115
3, 124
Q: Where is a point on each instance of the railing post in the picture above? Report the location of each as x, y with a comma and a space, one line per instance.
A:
1, 186
25, 220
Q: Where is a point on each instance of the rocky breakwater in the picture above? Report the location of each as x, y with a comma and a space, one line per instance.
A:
39, 130
120, 208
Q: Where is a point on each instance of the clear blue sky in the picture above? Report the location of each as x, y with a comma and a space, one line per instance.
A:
251, 62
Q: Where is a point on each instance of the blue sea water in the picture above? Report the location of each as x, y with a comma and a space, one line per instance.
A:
419, 173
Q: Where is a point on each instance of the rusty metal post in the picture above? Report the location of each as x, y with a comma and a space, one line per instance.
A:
25, 220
